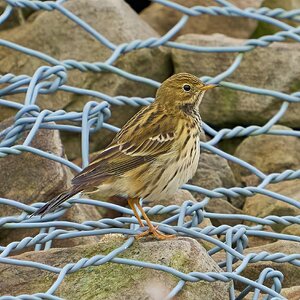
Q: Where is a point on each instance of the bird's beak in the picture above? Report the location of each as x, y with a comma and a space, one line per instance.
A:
209, 86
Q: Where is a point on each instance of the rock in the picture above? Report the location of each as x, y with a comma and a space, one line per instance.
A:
264, 28
230, 145
224, 107
255, 241
291, 272
262, 206
268, 153
292, 230
125, 26
178, 199
291, 293
214, 172
116, 281
17, 17
221, 206
29, 178
162, 19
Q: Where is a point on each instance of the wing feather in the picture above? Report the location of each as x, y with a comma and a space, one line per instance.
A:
136, 144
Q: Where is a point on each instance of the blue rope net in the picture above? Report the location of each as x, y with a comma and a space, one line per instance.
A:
53, 78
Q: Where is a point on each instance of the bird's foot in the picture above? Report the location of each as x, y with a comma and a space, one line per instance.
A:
156, 233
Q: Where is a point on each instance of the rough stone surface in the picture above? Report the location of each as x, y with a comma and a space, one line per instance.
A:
125, 26
291, 272
255, 241
268, 153
178, 199
264, 28
30, 178
291, 293
225, 107
114, 281
214, 172
262, 206
221, 206
17, 17
292, 229
162, 19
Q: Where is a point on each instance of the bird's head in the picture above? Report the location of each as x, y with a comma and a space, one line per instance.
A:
182, 90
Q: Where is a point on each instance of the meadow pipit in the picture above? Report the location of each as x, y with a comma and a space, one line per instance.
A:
154, 153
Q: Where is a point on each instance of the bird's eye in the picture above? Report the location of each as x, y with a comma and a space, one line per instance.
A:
186, 87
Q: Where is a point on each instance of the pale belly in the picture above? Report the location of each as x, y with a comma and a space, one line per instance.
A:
175, 174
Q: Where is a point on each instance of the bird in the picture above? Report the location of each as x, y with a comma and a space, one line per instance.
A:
153, 154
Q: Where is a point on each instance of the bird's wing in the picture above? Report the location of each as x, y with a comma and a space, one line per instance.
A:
147, 135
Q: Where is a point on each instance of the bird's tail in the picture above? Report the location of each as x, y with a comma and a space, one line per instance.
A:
55, 202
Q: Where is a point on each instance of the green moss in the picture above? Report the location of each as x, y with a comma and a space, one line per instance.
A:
264, 29
230, 99
106, 281
87, 285
294, 86
228, 104
180, 261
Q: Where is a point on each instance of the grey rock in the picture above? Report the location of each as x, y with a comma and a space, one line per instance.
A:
178, 199
268, 153
291, 272
291, 293
225, 107
162, 19
66, 40
264, 28
30, 178
112, 281
262, 206
214, 172
221, 206
255, 241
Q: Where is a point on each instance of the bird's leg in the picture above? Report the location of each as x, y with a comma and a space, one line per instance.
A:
131, 202
152, 229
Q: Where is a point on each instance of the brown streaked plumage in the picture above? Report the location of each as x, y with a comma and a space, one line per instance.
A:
154, 153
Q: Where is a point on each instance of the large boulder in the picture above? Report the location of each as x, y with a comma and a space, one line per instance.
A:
221, 206
30, 178
292, 230
112, 281
214, 172
263, 206
291, 293
66, 40
264, 28
291, 272
268, 153
179, 198
16, 18
163, 18
259, 68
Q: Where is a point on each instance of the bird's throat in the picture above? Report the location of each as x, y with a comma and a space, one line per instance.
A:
189, 108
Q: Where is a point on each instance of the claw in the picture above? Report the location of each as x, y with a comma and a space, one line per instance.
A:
153, 230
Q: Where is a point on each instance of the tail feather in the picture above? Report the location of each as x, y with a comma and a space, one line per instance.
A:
55, 202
